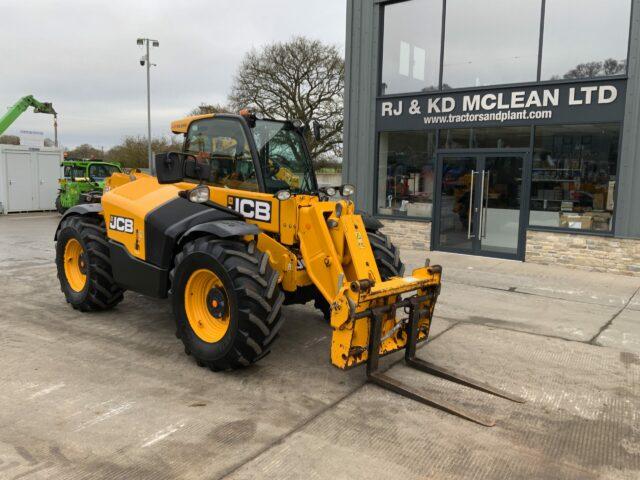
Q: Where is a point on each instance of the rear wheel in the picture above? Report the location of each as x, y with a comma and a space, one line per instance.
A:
226, 302
84, 266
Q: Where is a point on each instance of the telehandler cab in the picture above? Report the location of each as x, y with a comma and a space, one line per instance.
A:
235, 226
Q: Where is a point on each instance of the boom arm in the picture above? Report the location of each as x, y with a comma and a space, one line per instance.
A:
21, 106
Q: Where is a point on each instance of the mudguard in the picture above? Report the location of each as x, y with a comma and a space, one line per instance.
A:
82, 209
223, 229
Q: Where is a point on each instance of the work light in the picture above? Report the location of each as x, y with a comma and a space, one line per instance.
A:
199, 194
348, 190
283, 195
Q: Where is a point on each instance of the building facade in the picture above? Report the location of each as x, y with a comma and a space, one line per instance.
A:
505, 128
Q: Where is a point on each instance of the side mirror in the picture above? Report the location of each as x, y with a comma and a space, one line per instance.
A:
170, 167
316, 131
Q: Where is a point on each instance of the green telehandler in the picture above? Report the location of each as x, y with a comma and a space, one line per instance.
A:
83, 181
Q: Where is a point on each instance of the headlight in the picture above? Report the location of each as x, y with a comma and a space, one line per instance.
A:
199, 195
283, 195
348, 190
331, 191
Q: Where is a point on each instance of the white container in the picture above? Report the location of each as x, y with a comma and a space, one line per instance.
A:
29, 178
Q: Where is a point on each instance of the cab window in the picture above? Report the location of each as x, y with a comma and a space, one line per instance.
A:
71, 172
283, 157
100, 172
222, 143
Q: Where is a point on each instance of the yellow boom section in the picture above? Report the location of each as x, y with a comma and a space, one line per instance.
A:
340, 262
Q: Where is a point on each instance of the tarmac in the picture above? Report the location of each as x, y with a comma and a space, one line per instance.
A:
112, 395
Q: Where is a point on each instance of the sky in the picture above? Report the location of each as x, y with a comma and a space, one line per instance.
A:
82, 56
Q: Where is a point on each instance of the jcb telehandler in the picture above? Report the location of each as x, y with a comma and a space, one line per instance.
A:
233, 227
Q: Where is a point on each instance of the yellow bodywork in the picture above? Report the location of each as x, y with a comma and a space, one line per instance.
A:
308, 241
182, 125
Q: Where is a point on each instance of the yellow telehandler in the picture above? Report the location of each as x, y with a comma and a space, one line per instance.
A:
235, 226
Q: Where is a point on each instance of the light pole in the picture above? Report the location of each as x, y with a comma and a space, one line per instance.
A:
145, 60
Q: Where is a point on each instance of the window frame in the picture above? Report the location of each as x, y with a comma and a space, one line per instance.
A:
576, 231
382, 4
527, 182
376, 163
249, 138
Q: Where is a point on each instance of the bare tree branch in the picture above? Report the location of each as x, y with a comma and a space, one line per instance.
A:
300, 79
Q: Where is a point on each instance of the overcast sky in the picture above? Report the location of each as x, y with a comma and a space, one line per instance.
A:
82, 56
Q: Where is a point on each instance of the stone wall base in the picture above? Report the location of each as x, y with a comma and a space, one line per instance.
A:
584, 252
408, 234
600, 254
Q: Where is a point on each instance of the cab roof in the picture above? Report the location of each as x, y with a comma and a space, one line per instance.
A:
182, 125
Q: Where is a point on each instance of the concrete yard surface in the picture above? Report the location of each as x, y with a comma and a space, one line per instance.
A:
112, 395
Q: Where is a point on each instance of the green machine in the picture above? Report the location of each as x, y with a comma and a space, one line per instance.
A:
83, 181
21, 106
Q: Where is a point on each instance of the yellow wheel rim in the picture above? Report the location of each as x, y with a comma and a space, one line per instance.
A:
75, 265
205, 303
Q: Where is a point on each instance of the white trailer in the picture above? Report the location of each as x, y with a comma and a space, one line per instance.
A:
29, 178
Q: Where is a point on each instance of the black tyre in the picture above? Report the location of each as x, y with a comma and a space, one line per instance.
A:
84, 266
226, 301
59, 206
387, 257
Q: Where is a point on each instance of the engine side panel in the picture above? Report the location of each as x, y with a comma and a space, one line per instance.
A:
127, 206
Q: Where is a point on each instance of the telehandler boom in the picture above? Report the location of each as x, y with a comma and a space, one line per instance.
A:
21, 106
235, 226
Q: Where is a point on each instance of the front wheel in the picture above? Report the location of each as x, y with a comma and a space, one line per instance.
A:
387, 255
388, 261
226, 302
84, 266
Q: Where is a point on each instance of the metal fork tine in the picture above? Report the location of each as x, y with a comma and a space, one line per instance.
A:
406, 391
441, 372
376, 316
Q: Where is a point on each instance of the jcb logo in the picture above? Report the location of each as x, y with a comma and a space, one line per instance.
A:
254, 209
121, 224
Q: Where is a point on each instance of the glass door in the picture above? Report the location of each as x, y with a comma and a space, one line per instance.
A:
457, 219
479, 204
500, 205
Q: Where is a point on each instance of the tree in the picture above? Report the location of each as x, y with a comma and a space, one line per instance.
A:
132, 152
610, 66
205, 108
85, 151
300, 79
9, 140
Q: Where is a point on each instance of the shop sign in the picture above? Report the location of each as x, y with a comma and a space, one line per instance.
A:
587, 102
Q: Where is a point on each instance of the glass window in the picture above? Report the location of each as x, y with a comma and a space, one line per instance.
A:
99, 172
411, 46
574, 176
491, 42
500, 137
73, 171
283, 157
585, 38
406, 173
222, 142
